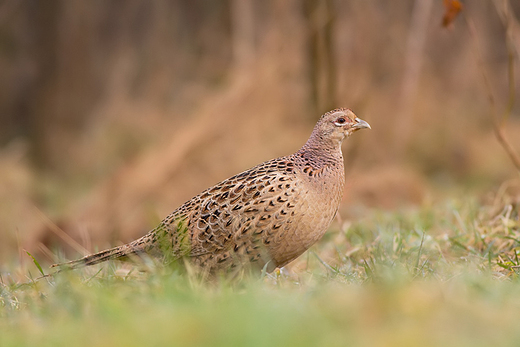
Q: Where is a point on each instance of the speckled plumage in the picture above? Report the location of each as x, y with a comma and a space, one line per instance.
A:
269, 214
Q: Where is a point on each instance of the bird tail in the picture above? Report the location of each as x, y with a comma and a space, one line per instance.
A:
135, 247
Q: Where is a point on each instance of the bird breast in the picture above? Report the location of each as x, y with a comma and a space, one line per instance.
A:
319, 195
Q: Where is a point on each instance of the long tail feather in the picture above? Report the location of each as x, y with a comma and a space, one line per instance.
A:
135, 247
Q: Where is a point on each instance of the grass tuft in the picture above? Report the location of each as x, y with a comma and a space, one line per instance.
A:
443, 275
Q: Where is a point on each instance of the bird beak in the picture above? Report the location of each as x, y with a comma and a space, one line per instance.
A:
361, 124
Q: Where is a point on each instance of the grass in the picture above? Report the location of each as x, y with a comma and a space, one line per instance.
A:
443, 275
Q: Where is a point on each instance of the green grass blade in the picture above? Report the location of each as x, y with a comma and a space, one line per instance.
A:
36, 263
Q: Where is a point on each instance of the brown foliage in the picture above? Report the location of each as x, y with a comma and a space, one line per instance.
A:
126, 109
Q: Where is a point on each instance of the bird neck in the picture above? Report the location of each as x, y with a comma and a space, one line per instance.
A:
319, 152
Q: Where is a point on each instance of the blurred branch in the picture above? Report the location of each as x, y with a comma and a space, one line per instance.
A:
320, 20
499, 122
509, 22
243, 32
413, 62
7, 9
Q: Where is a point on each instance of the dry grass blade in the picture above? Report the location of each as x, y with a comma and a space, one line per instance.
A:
60, 233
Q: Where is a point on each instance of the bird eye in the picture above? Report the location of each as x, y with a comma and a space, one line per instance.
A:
340, 121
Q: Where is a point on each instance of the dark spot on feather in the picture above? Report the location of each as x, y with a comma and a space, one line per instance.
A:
221, 260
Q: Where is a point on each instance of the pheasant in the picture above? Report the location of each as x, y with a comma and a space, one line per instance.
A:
266, 216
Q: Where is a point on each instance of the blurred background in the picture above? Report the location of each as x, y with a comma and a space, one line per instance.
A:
115, 112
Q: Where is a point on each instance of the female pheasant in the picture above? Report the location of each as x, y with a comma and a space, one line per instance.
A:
265, 216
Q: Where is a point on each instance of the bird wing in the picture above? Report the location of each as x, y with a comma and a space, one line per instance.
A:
244, 211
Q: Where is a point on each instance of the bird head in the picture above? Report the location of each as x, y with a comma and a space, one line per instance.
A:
338, 124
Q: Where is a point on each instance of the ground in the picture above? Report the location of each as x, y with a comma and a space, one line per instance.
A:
443, 274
